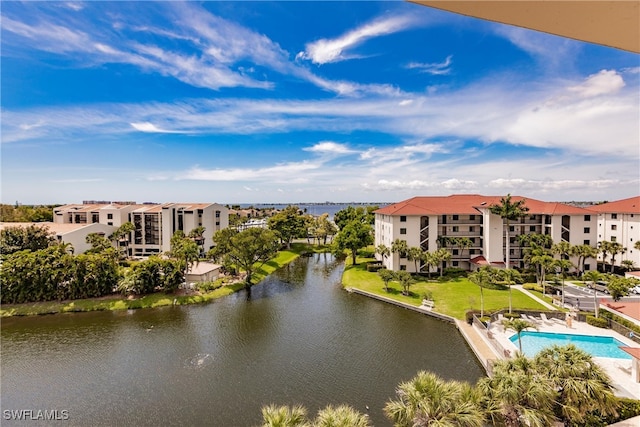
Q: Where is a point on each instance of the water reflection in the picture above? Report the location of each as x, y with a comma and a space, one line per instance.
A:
299, 339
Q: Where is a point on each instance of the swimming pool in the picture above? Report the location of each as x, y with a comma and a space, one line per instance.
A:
597, 346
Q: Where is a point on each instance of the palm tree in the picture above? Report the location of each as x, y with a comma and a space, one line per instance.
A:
603, 247
628, 264
429, 259
542, 261
428, 400
563, 265
463, 243
405, 280
283, 416
383, 251
386, 276
636, 245
510, 277
509, 211
399, 247
442, 255
593, 276
481, 278
581, 385
517, 394
342, 415
518, 325
415, 254
197, 234
615, 248
583, 252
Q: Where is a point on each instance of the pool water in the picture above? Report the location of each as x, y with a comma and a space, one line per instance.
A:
597, 346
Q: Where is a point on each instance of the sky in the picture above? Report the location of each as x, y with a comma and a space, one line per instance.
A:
297, 102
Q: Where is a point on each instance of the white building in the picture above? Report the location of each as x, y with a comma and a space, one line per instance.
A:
154, 223
425, 221
619, 221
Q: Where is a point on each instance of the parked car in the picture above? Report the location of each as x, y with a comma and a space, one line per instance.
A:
635, 289
599, 286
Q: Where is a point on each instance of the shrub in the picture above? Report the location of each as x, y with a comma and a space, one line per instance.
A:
469, 315
511, 315
428, 295
532, 287
209, 286
374, 266
455, 272
597, 322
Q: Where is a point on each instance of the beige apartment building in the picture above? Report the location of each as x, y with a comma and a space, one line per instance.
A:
425, 221
619, 221
154, 223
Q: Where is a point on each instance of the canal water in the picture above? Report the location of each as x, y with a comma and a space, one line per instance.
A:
297, 338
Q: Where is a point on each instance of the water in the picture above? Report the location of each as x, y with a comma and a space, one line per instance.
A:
317, 209
597, 346
298, 339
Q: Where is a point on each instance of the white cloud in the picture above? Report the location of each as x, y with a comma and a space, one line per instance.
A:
334, 50
286, 172
441, 68
329, 147
603, 83
151, 128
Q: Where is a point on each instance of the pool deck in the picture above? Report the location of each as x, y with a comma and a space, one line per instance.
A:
619, 370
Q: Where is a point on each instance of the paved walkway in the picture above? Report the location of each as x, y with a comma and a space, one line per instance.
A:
483, 351
530, 295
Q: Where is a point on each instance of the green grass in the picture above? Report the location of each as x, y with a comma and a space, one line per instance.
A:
159, 299
452, 297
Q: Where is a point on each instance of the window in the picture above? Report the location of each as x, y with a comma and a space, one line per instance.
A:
109, 216
472, 217
217, 214
614, 227
587, 267
587, 230
614, 216
532, 228
455, 252
403, 218
586, 242
403, 267
472, 229
587, 217
455, 229
110, 223
455, 217
512, 228
455, 263
472, 251
403, 231
614, 239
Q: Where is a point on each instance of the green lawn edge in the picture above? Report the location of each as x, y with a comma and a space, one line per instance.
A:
158, 299
452, 297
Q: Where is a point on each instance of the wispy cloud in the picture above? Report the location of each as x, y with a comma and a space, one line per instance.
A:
441, 68
324, 51
277, 173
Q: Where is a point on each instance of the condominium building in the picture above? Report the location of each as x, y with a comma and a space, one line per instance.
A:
431, 222
619, 221
154, 223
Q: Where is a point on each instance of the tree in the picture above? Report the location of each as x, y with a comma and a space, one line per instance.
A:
288, 224
405, 280
383, 251
353, 236
563, 265
400, 247
518, 325
185, 250
248, 249
636, 245
581, 385
583, 252
462, 243
542, 261
428, 400
510, 277
628, 264
19, 238
430, 260
122, 236
517, 394
593, 276
442, 255
350, 214
283, 416
509, 211
386, 276
481, 278
415, 254
615, 248
99, 243
619, 286
197, 235
324, 228
603, 248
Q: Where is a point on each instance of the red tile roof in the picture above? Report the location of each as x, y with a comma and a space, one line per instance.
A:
467, 204
630, 205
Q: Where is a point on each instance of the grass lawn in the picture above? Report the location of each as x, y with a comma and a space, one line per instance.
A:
159, 299
452, 297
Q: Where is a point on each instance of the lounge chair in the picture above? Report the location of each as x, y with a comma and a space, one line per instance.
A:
550, 321
529, 319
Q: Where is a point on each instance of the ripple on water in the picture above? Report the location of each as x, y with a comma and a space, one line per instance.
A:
199, 361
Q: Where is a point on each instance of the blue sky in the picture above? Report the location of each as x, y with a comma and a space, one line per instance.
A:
285, 102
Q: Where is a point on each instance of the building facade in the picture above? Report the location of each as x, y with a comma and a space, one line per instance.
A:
619, 221
154, 223
433, 222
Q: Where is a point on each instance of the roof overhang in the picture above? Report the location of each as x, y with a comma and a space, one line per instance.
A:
610, 23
